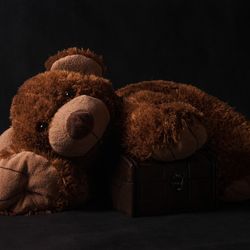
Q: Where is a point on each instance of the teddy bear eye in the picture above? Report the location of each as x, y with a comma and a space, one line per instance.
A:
69, 93
41, 126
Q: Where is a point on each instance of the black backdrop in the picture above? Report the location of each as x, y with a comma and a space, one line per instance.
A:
200, 42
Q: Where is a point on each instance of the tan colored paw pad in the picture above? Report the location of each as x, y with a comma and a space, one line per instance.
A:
191, 139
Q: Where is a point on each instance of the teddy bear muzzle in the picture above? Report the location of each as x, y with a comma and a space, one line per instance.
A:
78, 126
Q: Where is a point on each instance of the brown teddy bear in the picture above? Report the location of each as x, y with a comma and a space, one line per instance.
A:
168, 121
59, 119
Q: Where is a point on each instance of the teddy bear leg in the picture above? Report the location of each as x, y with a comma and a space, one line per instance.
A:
233, 177
232, 148
237, 190
6, 139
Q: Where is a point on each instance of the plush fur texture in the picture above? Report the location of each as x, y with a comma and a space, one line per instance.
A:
75, 51
152, 119
30, 185
78, 63
32, 111
154, 113
46, 93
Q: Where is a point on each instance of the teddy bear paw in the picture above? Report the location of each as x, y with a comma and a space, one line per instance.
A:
27, 183
191, 138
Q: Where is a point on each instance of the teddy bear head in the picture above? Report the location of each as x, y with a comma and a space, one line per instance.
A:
67, 109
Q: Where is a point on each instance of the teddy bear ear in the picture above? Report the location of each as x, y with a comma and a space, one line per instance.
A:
77, 60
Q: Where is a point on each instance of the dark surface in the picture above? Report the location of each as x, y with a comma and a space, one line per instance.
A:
227, 229
200, 42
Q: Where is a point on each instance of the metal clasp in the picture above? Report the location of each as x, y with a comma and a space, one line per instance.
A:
178, 182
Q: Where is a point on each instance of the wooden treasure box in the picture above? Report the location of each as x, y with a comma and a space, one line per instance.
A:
154, 188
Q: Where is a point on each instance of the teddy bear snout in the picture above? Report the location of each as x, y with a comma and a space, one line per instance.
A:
79, 124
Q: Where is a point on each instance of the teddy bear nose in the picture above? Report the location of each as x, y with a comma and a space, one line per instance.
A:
79, 124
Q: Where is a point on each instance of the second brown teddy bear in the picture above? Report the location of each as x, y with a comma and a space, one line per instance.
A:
168, 121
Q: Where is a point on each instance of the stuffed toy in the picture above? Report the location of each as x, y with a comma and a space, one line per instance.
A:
59, 119
168, 121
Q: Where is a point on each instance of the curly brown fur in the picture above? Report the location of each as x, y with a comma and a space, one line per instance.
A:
147, 112
148, 126
45, 93
37, 100
74, 184
75, 51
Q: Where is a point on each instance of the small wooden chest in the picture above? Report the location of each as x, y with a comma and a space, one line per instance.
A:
154, 188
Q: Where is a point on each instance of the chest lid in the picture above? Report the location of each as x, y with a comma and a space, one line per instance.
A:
199, 166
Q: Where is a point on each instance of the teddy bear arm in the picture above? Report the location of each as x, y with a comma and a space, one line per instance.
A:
187, 132
27, 183
166, 132
6, 139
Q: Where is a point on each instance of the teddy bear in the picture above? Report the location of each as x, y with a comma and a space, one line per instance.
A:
59, 120
167, 121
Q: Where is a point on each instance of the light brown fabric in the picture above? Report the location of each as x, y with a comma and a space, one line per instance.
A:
191, 139
59, 138
6, 139
78, 63
27, 183
75, 51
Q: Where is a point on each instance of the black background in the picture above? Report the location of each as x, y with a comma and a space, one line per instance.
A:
201, 42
